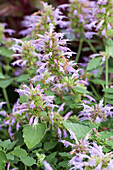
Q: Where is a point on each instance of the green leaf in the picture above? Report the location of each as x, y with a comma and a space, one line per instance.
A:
22, 154
49, 93
22, 78
5, 52
50, 157
33, 135
8, 144
19, 152
108, 123
27, 160
3, 160
64, 164
109, 44
10, 156
109, 96
80, 90
23, 99
2, 76
99, 81
49, 145
94, 63
109, 90
79, 129
64, 154
5, 83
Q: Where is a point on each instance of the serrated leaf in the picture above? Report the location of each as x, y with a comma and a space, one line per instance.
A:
108, 90
50, 157
19, 152
99, 81
8, 144
49, 145
22, 78
80, 90
5, 52
109, 101
49, 93
94, 63
2, 76
108, 123
64, 164
5, 83
10, 156
79, 129
64, 154
109, 96
33, 135
27, 160
3, 160
23, 99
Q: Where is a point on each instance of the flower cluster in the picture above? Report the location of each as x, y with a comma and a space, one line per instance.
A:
24, 52
88, 156
55, 54
81, 14
96, 113
104, 18
38, 23
97, 159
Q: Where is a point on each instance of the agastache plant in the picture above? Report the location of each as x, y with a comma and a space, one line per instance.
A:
25, 54
81, 13
96, 113
97, 159
38, 23
104, 18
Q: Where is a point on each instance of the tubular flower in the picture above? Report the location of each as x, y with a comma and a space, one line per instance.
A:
81, 14
96, 113
38, 23
24, 53
55, 54
104, 17
81, 146
94, 159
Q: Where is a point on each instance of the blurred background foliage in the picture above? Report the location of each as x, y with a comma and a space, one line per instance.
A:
13, 11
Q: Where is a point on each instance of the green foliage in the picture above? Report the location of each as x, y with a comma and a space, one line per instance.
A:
94, 63
33, 135
79, 129
5, 83
22, 78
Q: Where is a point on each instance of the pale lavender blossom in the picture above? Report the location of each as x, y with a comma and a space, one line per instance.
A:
47, 165
96, 113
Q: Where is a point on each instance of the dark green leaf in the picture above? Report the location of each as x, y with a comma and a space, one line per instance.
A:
79, 129
5, 83
5, 52
49, 145
23, 99
94, 63
27, 160
2, 76
80, 90
22, 78
33, 135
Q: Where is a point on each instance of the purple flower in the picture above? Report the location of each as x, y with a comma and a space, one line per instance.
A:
96, 113
59, 133
47, 166
1, 104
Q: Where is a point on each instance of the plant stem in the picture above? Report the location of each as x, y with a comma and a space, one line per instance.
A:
79, 51
91, 46
25, 167
5, 92
94, 91
106, 71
